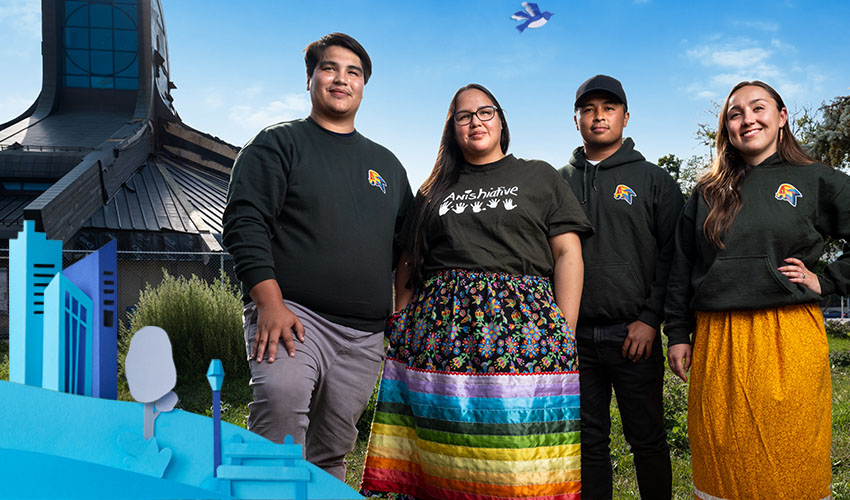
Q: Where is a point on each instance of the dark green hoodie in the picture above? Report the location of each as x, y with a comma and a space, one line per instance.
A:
786, 211
633, 205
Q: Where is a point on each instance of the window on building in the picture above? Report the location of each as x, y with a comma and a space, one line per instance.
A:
101, 44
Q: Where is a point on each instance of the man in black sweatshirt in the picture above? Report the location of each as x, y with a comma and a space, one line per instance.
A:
633, 205
312, 211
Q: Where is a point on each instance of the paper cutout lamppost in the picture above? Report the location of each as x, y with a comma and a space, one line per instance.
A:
215, 376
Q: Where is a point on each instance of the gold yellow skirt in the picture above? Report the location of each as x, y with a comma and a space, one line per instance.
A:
760, 405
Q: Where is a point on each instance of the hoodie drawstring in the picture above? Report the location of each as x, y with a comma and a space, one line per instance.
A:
584, 183
587, 165
595, 175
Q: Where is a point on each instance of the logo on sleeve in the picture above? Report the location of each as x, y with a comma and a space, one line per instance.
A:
376, 180
788, 193
624, 193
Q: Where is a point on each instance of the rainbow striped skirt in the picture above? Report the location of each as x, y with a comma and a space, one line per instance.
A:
479, 397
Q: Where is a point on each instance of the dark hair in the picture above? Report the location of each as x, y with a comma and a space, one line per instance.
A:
720, 186
445, 175
314, 52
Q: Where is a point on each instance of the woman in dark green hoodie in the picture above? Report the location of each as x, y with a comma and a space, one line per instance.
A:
759, 408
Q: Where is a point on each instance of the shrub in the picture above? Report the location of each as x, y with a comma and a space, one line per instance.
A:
203, 321
837, 329
4, 360
839, 359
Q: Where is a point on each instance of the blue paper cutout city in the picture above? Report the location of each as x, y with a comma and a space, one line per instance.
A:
65, 436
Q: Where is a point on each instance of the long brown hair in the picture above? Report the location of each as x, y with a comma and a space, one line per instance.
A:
445, 175
720, 186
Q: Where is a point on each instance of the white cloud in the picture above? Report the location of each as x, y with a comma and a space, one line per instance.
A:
12, 106
783, 47
791, 91
728, 56
213, 98
22, 17
255, 117
767, 26
736, 60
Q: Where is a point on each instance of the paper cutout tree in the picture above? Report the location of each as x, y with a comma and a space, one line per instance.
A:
151, 373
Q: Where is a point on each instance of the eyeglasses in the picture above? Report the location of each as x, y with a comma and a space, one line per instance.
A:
484, 113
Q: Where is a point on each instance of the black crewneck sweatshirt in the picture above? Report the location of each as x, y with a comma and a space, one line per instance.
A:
318, 212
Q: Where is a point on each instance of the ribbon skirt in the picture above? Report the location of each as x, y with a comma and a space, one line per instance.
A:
479, 397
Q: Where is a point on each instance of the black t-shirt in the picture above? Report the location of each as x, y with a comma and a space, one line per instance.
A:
499, 216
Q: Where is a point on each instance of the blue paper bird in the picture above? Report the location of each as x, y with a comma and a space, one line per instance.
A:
532, 16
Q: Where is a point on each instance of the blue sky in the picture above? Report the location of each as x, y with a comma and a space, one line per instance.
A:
238, 66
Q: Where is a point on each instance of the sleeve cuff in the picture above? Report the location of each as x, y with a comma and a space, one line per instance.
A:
650, 318
827, 286
677, 336
251, 277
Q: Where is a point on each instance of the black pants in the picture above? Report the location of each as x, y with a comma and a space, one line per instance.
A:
638, 390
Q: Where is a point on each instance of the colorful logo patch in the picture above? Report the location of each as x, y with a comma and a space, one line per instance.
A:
624, 193
376, 180
788, 193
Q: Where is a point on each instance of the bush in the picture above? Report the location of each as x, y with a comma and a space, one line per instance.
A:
675, 394
839, 359
4, 360
837, 329
203, 321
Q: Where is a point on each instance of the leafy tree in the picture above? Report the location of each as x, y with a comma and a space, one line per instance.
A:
685, 173
672, 164
828, 138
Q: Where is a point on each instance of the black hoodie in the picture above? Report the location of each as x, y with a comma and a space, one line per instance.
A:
786, 211
633, 205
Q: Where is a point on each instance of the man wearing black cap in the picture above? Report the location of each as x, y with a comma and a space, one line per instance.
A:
634, 205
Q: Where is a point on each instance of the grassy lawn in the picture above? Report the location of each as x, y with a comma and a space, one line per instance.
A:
838, 344
195, 397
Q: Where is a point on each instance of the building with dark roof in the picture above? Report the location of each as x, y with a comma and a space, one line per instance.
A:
102, 154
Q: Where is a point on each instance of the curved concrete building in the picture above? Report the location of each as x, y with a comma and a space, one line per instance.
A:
102, 154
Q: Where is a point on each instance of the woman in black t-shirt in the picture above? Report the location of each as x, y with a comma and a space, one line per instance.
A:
480, 391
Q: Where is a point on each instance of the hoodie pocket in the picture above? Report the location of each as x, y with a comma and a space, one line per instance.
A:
609, 290
742, 282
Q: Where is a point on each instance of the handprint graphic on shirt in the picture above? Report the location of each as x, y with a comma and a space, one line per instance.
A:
476, 207
459, 208
493, 203
509, 205
444, 208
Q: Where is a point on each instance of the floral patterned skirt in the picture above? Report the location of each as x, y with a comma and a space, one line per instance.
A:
479, 397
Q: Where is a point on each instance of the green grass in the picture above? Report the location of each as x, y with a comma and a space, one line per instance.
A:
841, 432
838, 344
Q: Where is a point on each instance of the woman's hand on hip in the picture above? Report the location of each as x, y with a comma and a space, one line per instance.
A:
796, 272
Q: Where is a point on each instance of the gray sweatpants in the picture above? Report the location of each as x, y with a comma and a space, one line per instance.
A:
318, 395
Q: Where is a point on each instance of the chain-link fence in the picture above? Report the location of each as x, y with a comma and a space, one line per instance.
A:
136, 270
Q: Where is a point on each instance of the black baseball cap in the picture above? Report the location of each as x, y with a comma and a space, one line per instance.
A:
602, 83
